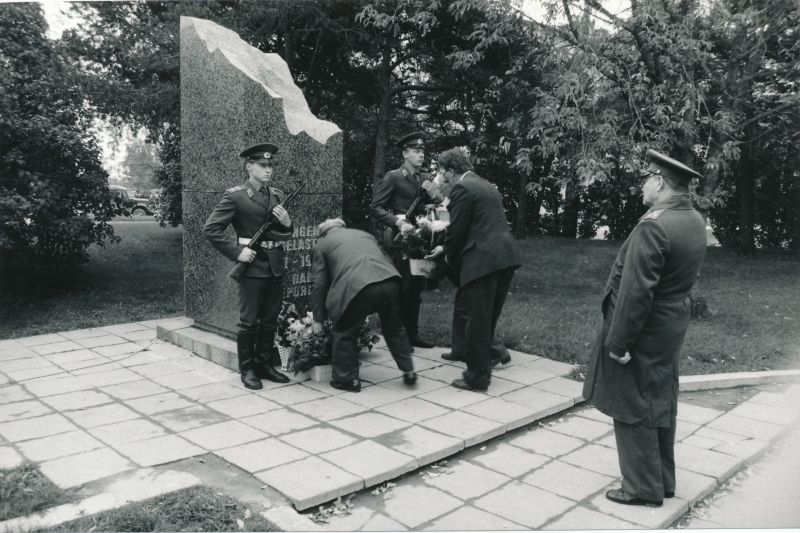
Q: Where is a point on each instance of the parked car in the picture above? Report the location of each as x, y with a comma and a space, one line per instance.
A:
135, 206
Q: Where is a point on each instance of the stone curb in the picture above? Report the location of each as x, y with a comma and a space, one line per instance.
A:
736, 379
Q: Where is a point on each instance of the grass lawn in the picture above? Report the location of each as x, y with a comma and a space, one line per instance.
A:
553, 309
24, 490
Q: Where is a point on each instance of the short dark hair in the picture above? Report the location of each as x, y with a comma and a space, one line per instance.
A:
455, 159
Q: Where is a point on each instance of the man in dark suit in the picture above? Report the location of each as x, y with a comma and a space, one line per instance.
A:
633, 368
393, 197
260, 292
479, 246
353, 279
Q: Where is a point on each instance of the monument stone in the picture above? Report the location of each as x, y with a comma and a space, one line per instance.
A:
234, 96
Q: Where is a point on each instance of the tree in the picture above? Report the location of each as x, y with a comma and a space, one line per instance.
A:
54, 198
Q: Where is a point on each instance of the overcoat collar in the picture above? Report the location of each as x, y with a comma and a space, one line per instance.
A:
410, 173
676, 201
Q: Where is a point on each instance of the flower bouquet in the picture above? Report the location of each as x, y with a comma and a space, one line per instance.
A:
418, 242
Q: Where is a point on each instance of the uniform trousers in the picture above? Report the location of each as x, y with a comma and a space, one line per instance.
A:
646, 459
382, 298
260, 302
410, 294
481, 302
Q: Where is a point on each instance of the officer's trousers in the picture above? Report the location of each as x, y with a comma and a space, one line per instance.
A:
410, 294
646, 459
259, 305
381, 298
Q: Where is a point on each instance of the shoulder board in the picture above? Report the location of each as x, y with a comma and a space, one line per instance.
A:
653, 214
236, 189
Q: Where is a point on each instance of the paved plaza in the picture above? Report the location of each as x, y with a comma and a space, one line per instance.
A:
113, 407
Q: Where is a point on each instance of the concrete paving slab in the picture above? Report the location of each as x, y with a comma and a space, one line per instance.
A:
25, 363
92, 363
50, 386
502, 386
543, 402
524, 504
101, 415
78, 469
241, 406
378, 373
412, 409
73, 356
159, 403
555, 368
293, 481
470, 428
749, 427
140, 335
405, 505
189, 418
650, 517
127, 431
330, 408
596, 458
774, 414
161, 368
422, 386
319, 439
510, 460
701, 442
423, 444
183, 380
579, 427
261, 454
372, 397
452, 397
468, 518
32, 428
131, 360
10, 458
467, 481
60, 445
609, 441
564, 387
20, 410
13, 393
363, 519
124, 348
524, 375
568, 480
279, 422
746, 450
294, 394
684, 429
77, 400
126, 328
688, 412
692, 486
707, 462
512, 415
102, 340
37, 340
85, 368
443, 372
371, 461
582, 518
159, 450
56, 347
16, 352
83, 333
111, 377
134, 389
21, 376
369, 425
546, 442
222, 435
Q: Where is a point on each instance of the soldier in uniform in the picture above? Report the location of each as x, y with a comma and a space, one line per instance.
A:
633, 368
261, 289
393, 196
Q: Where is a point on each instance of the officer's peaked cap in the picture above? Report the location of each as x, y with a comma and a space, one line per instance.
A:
670, 168
260, 152
416, 139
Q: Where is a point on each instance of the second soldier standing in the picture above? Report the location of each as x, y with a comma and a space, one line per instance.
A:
393, 197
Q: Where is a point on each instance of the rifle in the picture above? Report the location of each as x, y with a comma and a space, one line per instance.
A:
238, 270
420, 193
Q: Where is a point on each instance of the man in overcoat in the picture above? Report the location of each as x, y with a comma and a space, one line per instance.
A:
246, 207
393, 197
480, 247
633, 368
353, 278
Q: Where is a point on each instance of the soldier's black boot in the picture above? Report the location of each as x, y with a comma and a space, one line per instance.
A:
412, 319
245, 350
267, 357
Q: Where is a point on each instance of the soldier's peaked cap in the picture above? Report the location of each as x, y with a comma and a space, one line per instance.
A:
416, 139
670, 168
260, 152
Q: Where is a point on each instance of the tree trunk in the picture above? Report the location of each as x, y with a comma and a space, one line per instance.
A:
569, 228
384, 114
745, 190
521, 226
794, 217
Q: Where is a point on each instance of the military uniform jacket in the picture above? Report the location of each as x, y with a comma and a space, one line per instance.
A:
247, 209
646, 312
478, 240
343, 262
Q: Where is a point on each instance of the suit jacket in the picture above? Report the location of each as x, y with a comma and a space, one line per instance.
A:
247, 209
646, 312
343, 262
478, 240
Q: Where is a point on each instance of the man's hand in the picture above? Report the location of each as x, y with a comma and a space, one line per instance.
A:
282, 215
435, 253
246, 255
623, 360
316, 328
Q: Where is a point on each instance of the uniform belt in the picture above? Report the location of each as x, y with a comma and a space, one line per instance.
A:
267, 245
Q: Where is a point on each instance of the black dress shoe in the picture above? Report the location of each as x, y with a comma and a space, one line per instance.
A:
450, 356
268, 372
419, 343
669, 493
503, 360
250, 380
620, 496
349, 386
409, 378
462, 384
